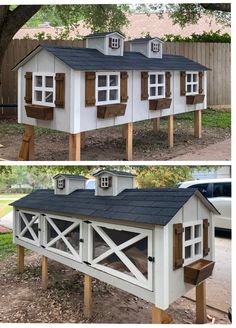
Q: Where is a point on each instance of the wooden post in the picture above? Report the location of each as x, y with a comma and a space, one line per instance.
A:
201, 303
124, 131
74, 147
160, 316
198, 124
156, 123
129, 142
82, 140
20, 258
87, 296
44, 272
27, 147
171, 131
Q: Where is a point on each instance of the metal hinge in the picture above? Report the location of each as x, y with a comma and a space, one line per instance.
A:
87, 263
87, 221
151, 259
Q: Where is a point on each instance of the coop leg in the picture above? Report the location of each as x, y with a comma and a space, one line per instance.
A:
74, 147
20, 258
129, 141
160, 316
156, 123
44, 272
87, 296
171, 131
201, 316
124, 131
82, 140
198, 124
27, 147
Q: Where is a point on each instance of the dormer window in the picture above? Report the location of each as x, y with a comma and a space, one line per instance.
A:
105, 182
156, 47
114, 43
61, 183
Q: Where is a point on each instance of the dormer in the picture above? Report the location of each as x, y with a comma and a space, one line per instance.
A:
65, 184
112, 182
109, 43
149, 47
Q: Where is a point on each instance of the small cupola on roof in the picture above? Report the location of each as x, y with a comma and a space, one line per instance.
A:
149, 47
109, 43
112, 182
65, 184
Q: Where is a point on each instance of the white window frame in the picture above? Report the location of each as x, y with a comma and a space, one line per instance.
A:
192, 242
43, 89
61, 235
108, 88
115, 43
156, 46
105, 181
156, 85
61, 183
139, 278
192, 83
19, 232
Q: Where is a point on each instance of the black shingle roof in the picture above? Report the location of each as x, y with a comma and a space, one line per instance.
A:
116, 172
154, 206
85, 59
71, 176
101, 34
141, 40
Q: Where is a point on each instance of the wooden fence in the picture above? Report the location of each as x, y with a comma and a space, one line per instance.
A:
216, 56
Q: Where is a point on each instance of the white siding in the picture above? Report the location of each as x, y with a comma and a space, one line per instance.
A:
98, 43
70, 186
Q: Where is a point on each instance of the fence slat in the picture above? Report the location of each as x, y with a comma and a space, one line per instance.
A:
213, 55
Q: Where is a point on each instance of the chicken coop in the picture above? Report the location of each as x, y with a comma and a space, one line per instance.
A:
76, 90
157, 244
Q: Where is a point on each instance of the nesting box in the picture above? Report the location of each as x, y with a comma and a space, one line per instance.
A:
155, 243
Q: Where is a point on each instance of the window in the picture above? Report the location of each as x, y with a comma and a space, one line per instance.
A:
114, 43
44, 89
205, 188
222, 189
61, 183
156, 47
156, 83
105, 182
107, 88
191, 83
192, 243
28, 225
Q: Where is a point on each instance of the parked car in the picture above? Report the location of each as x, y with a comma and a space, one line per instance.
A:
218, 191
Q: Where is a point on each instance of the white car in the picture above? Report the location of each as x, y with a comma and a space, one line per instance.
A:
218, 192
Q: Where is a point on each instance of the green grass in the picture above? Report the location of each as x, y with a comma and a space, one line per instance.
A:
6, 245
4, 208
9, 196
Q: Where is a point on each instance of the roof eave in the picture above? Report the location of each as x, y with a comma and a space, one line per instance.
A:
27, 57
206, 202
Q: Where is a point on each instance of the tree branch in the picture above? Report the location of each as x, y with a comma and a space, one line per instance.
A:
225, 7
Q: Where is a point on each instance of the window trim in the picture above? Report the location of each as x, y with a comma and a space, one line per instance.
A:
156, 85
193, 241
61, 183
156, 47
105, 182
43, 89
107, 88
192, 83
115, 43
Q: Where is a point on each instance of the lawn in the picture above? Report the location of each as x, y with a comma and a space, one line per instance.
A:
6, 245
4, 207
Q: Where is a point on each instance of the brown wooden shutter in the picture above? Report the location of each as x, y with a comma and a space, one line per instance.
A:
178, 246
205, 237
100, 182
168, 92
60, 90
123, 86
182, 83
200, 84
110, 181
110, 42
152, 46
90, 88
28, 87
118, 43
144, 85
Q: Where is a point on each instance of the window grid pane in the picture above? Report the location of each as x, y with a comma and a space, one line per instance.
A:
156, 85
191, 83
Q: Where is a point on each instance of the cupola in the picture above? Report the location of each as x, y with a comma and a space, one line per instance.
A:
65, 184
149, 47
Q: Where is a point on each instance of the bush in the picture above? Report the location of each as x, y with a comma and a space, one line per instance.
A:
204, 37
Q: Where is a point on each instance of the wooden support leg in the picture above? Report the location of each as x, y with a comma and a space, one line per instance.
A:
129, 142
20, 258
156, 122
160, 316
124, 131
171, 131
27, 147
201, 316
44, 272
82, 140
74, 147
198, 124
87, 296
